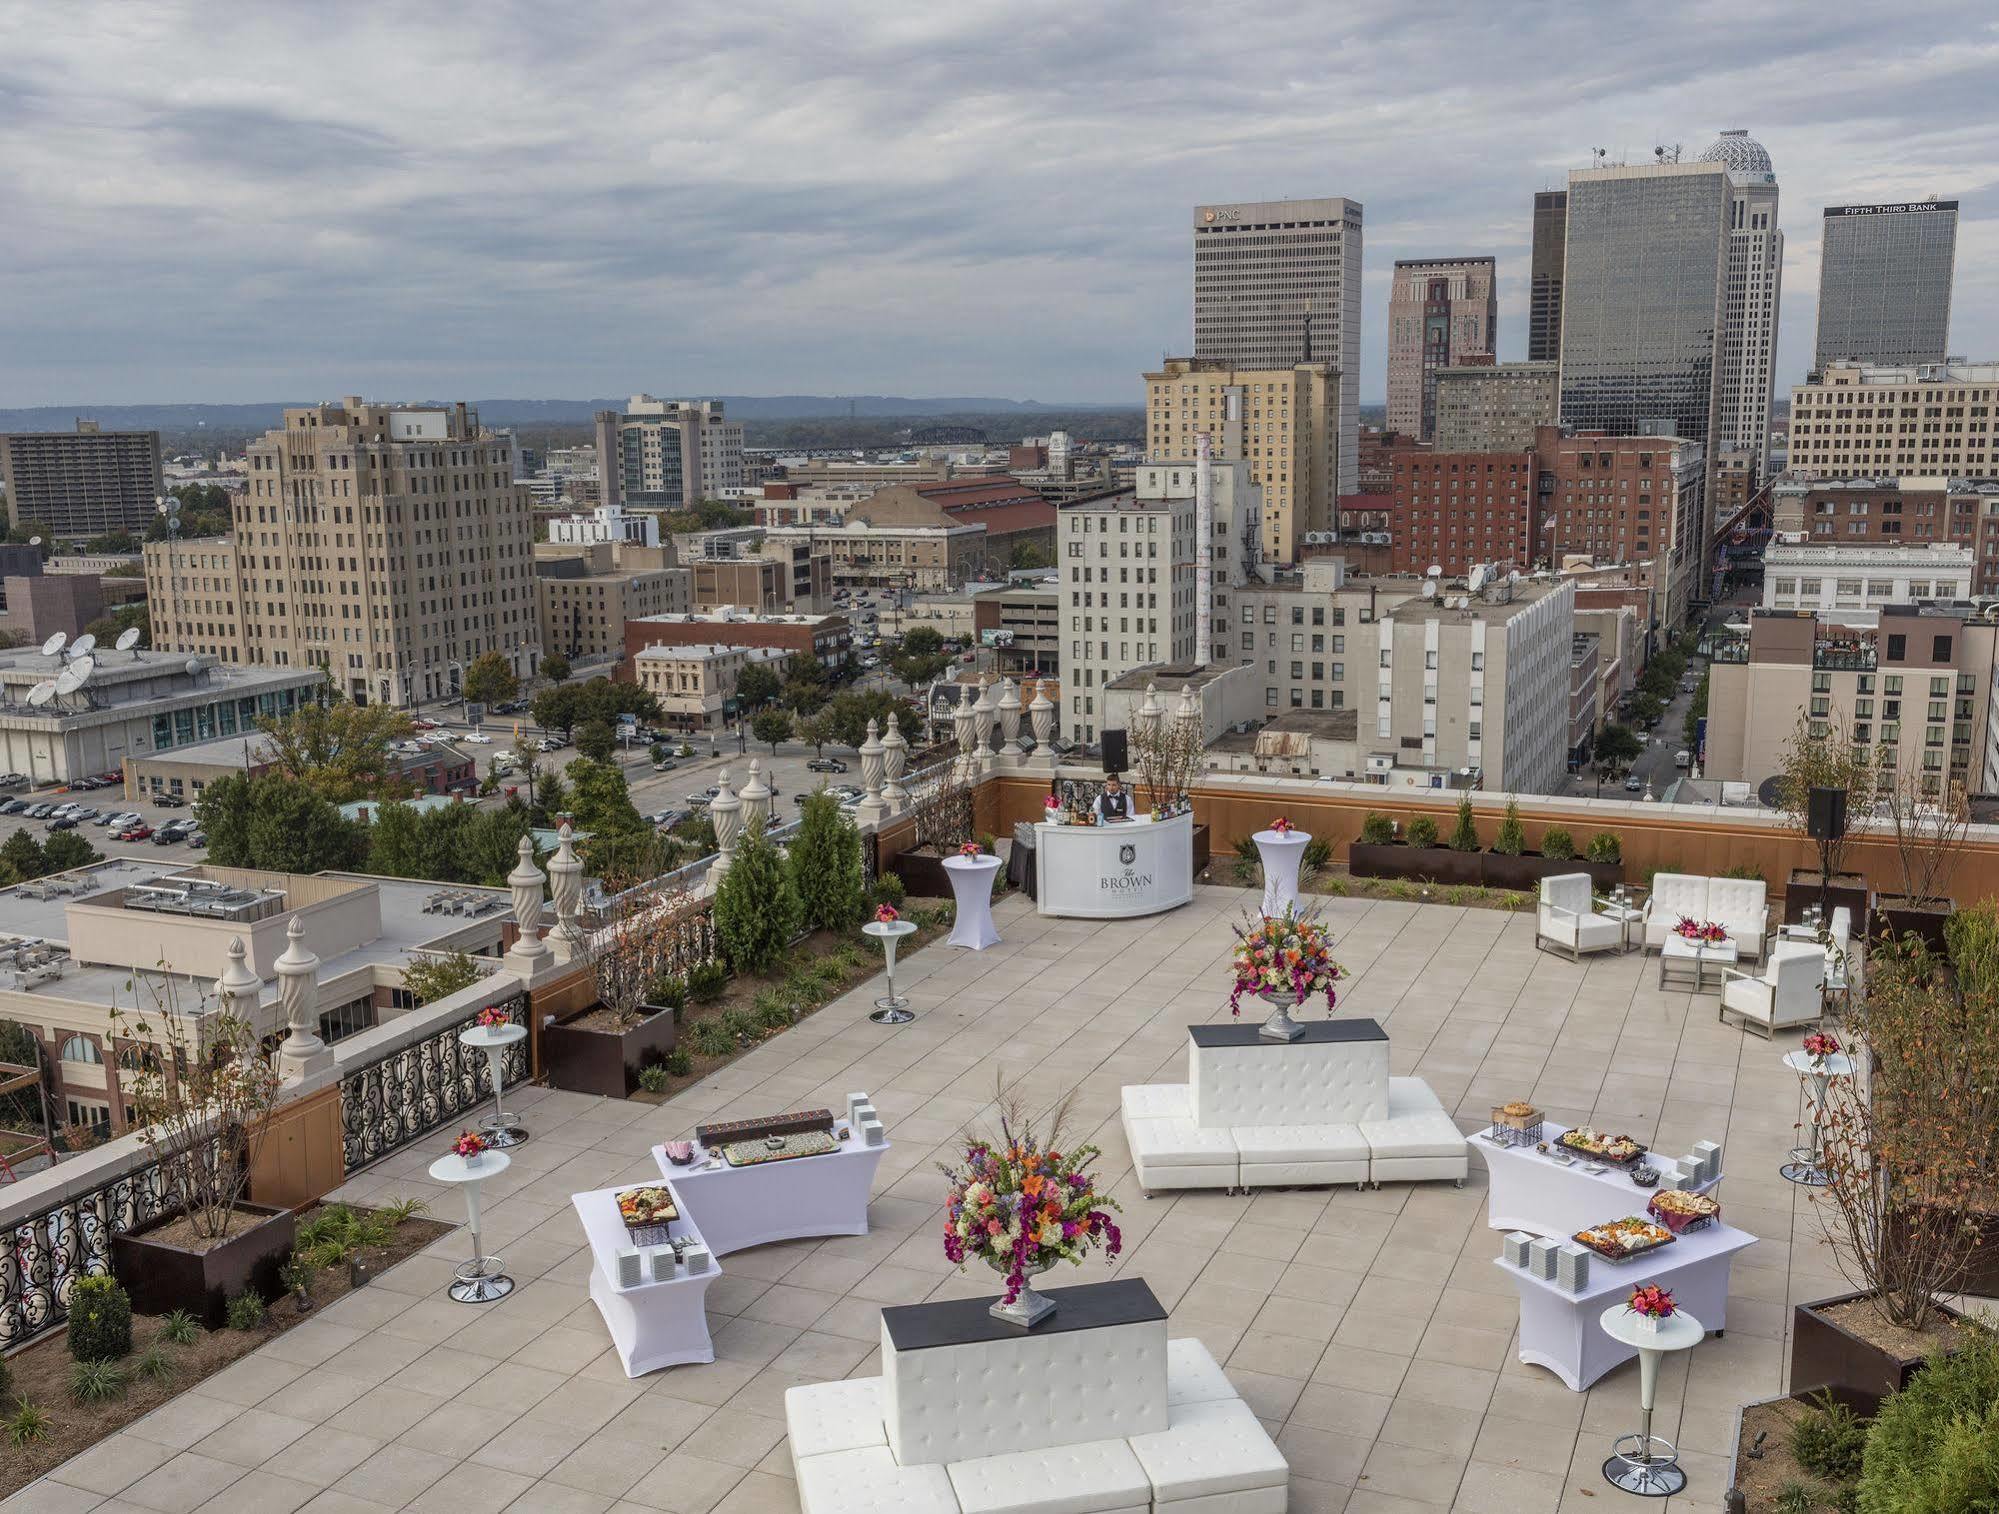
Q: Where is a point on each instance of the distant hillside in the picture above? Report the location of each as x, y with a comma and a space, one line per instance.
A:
239, 419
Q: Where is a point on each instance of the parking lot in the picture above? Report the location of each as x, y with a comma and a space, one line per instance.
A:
99, 804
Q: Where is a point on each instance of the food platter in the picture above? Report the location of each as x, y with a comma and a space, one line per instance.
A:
1621, 1240
1680, 1211
1618, 1150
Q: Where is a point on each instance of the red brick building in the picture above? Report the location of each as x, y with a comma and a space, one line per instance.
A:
827, 637
1455, 509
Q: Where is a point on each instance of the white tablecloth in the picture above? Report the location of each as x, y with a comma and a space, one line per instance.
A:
777, 1201
1562, 1331
972, 885
1281, 854
1526, 1191
655, 1324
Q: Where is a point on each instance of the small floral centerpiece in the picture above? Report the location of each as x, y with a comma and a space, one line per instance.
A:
1282, 827
1050, 802
1700, 932
1284, 959
1821, 1044
970, 849
468, 1145
1652, 1304
492, 1017
1021, 1204
886, 914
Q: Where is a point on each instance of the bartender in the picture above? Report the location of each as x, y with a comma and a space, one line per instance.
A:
1113, 803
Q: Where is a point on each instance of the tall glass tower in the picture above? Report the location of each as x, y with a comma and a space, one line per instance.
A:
1749, 301
1884, 282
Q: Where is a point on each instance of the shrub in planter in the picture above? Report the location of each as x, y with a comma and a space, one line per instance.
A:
888, 889
1925, 1448
1828, 1439
1377, 830
678, 1062
757, 910
826, 867
712, 1038
706, 982
1422, 831
100, 1320
1318, 855
653, 1077
1557, 845
247, 1311
1604, 846
1464, 833
1512, 838
668, 992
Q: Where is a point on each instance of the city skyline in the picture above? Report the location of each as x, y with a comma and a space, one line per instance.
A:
732, 203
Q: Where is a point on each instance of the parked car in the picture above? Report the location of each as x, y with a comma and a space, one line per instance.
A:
1683, 758
135, 833
118, 820
699, 801
665, 765
13, 780
426, 725
1634, 784
826, 765
168, 801
12, 806
62, 823
477, 738
40, 811
198, 841
83, 812
65, 809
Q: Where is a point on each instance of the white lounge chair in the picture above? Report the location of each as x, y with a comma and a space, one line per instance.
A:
1568, 923
1788, 993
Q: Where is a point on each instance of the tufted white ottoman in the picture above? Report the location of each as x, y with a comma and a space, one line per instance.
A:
847, 1482
1157, 1101
1213, 1458
1097, 1477
1302, 1155
1418, 1141
1177, 1153
821, 1418
1193, 1376
1335, 1073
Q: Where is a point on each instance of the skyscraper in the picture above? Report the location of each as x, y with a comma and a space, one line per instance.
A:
1278, 283
1544, 303
1440, 311
1645, 269
86, 482
1749, 301
667, 454
1884, 282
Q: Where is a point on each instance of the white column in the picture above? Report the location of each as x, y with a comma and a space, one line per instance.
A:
529, 953
565, 871
756, 799
871, 808
1041, 716
982, 727
895, 756
303, 1052
726, 811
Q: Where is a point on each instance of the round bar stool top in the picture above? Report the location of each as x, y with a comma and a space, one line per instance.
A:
1815, 1075
972, 886
891, 1008
500, 1128
1644, 1463
479, 1279
1282, 853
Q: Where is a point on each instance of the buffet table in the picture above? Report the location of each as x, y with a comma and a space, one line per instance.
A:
1528, 1191
1114, 871
734, 1207
654, 1324
1560, 1330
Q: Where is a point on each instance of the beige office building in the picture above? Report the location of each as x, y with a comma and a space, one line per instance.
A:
1441, 311
385, 544
86, 482
696, 685
1913, 693
1861, 421
585, 594
667, 454
1127, 566
1493, 407
1284, 422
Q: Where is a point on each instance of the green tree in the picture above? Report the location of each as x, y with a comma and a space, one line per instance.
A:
67, 849
431, 978
922, 641
27, 530
490, 680
826, 867
816, 731
1512, 838
278, 824
848, 714
1031, 554
338, 748
1646, 708
756, 686
554, 667
599, 800
757, 910
1464, 834
113, 542
596, 740
772, 726
804, 697
395, 843
1618, 745
1696, 709
22, 855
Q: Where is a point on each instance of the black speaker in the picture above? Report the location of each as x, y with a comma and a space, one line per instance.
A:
1116, 757
1825, 814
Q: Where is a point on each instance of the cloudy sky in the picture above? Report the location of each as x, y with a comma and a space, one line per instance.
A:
219, 202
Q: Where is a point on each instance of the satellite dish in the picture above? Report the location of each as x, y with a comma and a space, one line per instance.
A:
129, 637
42, 693
82, 645
68, 681
1477, 579
1429, 588
83, 667
193, 666
54, 644
34, 541
1769, 792
1434, 571
1513, 576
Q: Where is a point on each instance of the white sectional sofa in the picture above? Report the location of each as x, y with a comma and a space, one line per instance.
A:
1172, 1436
1264, 1114
1741, 905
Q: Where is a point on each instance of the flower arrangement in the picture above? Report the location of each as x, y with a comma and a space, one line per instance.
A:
1020, 1204
492, 1017
468, 1145
887, 915
1652, 1301
1282, 827
970, 849
1050, 802
1705, 932
1285, 954
1821, 1044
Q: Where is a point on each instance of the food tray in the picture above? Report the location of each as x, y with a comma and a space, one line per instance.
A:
1621, 1255
1566, 1144
1682, 1224
811, 1143
799, 1120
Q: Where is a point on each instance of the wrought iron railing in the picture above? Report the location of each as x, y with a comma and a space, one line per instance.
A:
44, 1255
398, 1098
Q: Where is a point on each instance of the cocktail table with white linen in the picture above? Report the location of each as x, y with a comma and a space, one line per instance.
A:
654, 1324
782, 1200
1531, 1191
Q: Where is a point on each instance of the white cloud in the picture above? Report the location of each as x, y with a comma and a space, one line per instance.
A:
236, 203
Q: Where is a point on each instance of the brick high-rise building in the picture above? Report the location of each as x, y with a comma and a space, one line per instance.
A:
386, 544
1544, 299
1885, 282
1454, 510
1493, 407
1626, 499
1277, 283
1911, 512
1440, 311
85, 482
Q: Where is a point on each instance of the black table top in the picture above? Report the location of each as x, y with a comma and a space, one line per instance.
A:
966, 1322
1317, 1033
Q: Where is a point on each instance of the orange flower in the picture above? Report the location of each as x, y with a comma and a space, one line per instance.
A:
1032, 1184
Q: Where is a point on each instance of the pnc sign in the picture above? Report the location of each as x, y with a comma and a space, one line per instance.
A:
1211, 216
